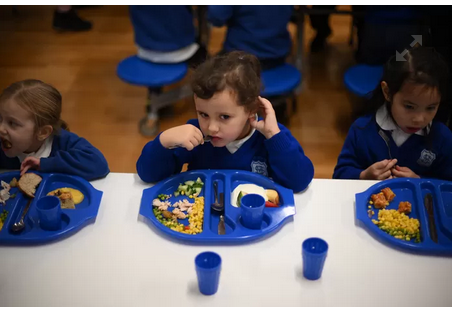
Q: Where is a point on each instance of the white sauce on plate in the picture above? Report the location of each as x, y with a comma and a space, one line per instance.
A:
248, 188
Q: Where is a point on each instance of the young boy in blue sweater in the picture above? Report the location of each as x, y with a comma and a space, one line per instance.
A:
226, 94
34, 137
401, 139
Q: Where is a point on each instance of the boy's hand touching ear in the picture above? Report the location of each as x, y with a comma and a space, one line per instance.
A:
269, 126
30, 163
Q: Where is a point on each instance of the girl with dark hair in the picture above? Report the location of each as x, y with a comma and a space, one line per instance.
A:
400, 137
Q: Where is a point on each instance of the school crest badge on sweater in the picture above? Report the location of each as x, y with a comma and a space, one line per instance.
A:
259, 167
426, 158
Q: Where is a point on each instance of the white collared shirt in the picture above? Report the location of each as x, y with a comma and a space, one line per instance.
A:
43, 152
235, 145
386, 122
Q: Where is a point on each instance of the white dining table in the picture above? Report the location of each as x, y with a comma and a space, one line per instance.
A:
120, 260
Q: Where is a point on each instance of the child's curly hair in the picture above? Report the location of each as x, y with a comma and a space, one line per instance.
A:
236, 70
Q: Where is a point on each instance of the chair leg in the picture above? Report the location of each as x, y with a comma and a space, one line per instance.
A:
280, 106
149, 125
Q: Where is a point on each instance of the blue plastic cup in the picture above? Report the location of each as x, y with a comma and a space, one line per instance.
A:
252, 210
208, 269
314, 253
49, 213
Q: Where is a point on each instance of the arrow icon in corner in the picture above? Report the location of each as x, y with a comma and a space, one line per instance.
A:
417, 40
400, 56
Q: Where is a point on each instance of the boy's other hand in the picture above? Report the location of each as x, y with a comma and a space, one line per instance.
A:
187, 136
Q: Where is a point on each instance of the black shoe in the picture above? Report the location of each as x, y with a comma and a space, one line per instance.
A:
70, 21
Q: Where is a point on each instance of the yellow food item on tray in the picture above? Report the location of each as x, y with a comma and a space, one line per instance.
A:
195, 218
3, 217
78, 196
398, 225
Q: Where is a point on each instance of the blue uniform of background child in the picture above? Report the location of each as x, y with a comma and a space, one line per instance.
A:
261, 30
34, 137
226, 93
404, 104
166, 34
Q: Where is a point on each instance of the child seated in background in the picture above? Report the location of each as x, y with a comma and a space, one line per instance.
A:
226, 94
34, 137
400, 138
166, 34
261, 30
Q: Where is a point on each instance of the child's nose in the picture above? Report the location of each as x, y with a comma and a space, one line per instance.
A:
213, 127
418, 118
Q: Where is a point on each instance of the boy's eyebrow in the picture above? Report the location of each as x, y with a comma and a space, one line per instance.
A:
220, 113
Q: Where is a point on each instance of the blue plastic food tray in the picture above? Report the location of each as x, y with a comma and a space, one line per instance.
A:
414, 191
227, 180
72, 219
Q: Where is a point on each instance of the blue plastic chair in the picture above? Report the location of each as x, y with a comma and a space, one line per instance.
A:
136, 71
281, 82
361, 79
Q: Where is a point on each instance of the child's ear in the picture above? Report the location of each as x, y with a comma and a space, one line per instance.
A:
44, 132
385, 90
251, 113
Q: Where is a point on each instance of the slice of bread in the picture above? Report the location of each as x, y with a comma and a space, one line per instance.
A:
28, 184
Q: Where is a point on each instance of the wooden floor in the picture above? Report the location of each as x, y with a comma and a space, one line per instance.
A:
106, 111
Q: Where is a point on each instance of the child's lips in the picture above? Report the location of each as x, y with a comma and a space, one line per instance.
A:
412, 129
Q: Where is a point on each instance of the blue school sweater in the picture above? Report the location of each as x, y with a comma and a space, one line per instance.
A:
70, 154
257, 29
364, 146
280, 157
162, 27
